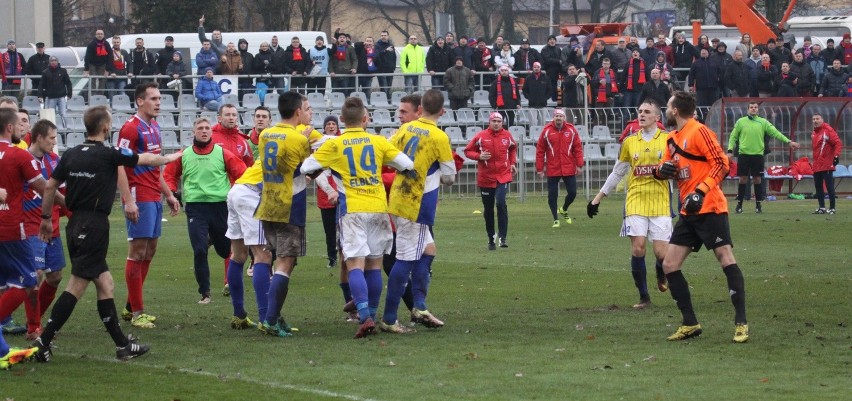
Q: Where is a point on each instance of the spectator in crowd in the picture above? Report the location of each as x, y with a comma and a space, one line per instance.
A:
297, 64
745, 45
620, 55
826, 155
806, 48
450, 40
504, 95
95, 62
216, 42
704, 77
786, 82
777, 54
753, 62
464, 51
598, 55
765, 76
737, 76
386, 52
343, 61
55, 88
327, 198
276, 63
834, 81
231, 63
244, 84
649, 53
633, 44
804, 72
559, 157
704, 43
495, 152
573, 93
845, 50
141, 62
634, 79
412, 62
458, 80
722, 59
262, 64
504, 57
525, 57
573, 54
551, 62
498, 44
207, 91
663, 46
829, 53
177, 69
320, 59
37, 63
206, 58
117, 69
164, 58
483, 63
819, 66
604, 85
537, 88
438, 59
655, 89
748, 142
684, 53
661, 64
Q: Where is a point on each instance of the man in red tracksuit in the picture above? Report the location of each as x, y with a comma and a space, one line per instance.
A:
496, 153
827, 146
559, 155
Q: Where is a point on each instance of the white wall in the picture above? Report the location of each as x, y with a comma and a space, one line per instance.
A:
26, 21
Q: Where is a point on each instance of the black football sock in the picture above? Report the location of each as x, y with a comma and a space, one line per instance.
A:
741, 189
659, 268
60, 313
736, 286
758, 193
680, 293
106, 309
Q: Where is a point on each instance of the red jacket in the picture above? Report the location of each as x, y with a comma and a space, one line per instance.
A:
633, 127
504, 155
559, 152
322, 197
827, 146
231, 139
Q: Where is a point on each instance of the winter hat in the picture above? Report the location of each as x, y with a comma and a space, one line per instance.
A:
847, 36
551, 37
319, 38
559, 112
495, 116
574, 39
178, 53
331, 118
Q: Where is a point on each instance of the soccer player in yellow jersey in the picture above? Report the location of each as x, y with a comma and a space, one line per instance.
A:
413, 201
355, 159
283, 202
647, 209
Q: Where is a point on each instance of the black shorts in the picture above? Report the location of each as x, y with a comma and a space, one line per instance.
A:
709, 229
87, 235
750, 166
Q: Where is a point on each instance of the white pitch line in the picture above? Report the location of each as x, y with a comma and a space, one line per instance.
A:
281, 386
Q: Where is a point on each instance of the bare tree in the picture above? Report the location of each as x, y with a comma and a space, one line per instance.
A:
275, 14
460, 21
63, 10
316, 14
424, 11
482, 13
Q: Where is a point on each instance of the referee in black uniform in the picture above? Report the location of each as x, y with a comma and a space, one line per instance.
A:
90, 173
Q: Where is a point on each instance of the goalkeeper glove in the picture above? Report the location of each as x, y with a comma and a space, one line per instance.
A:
592, 210
667, 170
836, 160
693, 202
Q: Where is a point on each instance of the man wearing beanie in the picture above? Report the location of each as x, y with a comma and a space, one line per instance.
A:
551, 63
244, 84
559, 157
164, 58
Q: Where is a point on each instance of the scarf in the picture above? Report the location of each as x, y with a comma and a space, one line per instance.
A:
341, 53
641, 74
527, 60
100, 48
14, 67
765, 66
848, 90
371, 62
297, 54
500, 101
602, 88
486, 58
117, 60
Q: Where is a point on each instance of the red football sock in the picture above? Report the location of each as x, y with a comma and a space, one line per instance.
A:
32, 310
46, 294
11, 300
146, 264
133, 277
227, 262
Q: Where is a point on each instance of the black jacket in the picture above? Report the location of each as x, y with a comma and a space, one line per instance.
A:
704, 75
54, 83
806, 77
262, 63
551, 63
572, 94
765, 78
521, 59
361, 52
508, 101
537, 90
438, 59
387, 60
658, 92
293, 66
737, 78
786, 84
466, 53
92, 57
37, 64
834, 83
141, 63
164, 58
684, 54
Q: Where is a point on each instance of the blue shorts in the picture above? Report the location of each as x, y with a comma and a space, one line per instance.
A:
49, 257
17, 264
149, 224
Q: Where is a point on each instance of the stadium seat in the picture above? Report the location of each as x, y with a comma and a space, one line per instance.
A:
523, 117
466, 116
447, 118
167, 102
601, 133
379, 100
480, 99
446, 99
528, 154
188, 102
483, 115
186, 138
387, 132
74, 138
114, 139
584, 132
167, 121
98, 100
592, 151
460, 152
535, 132
336, 100
75, 124
396, 97
455, 134
187, 119
232, 98
317, 101
271, 100
251, 101
118, 120
170, 140
60, 144
471, 132
518, 132
360, 95
76, 104
841, 171
121, 102
318, 118
31, 103
382, 118
611, 151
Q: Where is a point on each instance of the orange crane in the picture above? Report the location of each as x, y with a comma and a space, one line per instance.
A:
742, 15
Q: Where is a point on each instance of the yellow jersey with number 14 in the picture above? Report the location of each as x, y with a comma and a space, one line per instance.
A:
283, 199
416, 199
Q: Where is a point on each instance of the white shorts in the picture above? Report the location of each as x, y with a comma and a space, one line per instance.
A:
657, 228
411, 239
365, 235
242, 201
